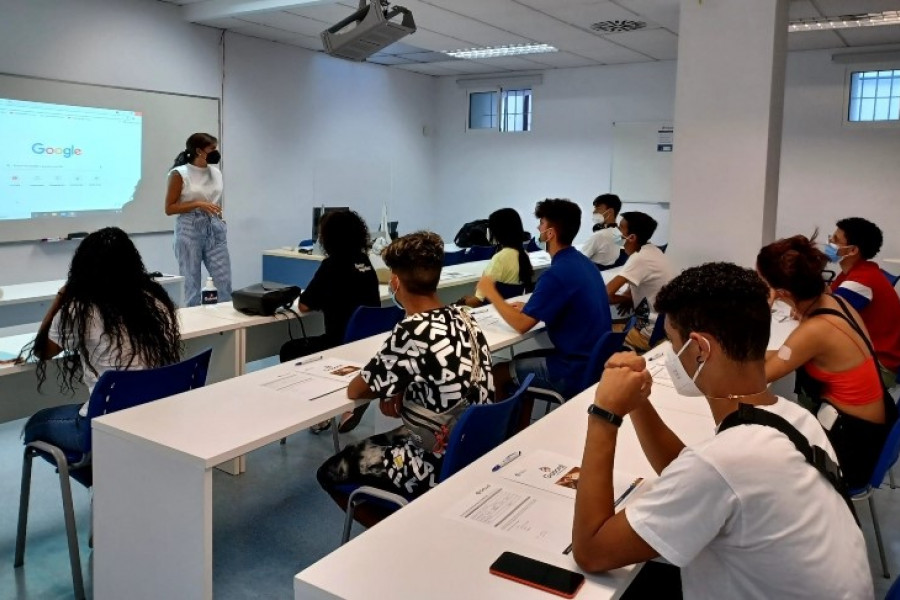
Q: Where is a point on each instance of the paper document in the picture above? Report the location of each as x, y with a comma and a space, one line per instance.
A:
329, 367
314, 379
449, 275
781, 312
656, 364
555, 473
514, 512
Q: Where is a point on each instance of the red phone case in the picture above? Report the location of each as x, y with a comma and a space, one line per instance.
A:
535, 585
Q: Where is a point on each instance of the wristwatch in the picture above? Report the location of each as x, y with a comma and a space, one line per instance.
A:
604, 414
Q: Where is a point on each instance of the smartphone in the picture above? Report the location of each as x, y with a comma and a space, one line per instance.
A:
537, 574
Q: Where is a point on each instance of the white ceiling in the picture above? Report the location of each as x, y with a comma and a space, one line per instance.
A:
457, 24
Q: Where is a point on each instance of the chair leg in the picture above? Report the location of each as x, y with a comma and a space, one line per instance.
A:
91, 533
884, 565
283, 441
71, 533
334, 434
24, 497
891, 478
348, 521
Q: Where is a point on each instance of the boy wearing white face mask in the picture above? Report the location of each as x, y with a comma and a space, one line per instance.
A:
605, 244
743, 514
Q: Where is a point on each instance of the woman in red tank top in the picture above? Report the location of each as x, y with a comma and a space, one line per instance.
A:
831, 352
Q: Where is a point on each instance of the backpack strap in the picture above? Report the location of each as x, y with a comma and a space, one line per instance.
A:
747, 414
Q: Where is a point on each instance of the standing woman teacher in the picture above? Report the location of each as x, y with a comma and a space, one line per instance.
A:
195, 196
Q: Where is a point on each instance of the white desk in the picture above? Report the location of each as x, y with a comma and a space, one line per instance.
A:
354, 571
153, 478
467, 551
28, 302
234, 337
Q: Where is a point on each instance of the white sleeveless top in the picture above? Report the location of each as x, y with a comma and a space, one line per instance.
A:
199, 183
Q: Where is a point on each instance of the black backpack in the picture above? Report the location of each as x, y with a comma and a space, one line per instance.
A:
473, 233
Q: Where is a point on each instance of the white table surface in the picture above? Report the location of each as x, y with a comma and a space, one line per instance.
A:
470, 551
467, 552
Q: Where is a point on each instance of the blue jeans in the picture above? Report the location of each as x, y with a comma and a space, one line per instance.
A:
536, 362
201, 238
60, 426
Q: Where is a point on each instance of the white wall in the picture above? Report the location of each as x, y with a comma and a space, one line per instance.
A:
283, 106
567, 155
828, 170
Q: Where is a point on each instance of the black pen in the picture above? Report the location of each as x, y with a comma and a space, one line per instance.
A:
617, 502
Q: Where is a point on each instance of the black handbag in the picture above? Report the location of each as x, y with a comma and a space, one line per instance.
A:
264, 298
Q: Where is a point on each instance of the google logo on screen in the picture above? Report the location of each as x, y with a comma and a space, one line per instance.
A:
39, 148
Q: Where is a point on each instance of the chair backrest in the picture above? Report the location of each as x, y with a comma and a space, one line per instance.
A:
531, 245
367, 321
663, 247
623, 258
608, 344
892, 278
479, 253
118, 390
510, 290
309, 242
480, 429
659, 330
454, 257
888, 457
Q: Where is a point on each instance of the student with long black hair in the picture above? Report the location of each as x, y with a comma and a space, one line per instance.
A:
511, 264
109, 315
194, 194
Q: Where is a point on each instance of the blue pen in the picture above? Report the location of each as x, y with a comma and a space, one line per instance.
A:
506, 461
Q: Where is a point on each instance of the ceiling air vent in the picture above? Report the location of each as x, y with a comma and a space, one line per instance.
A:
618, 26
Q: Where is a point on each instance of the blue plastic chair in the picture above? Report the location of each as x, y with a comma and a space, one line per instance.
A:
479, 253
367, 321
886, 460
480, 429
308, 242
608, 344
894, 592
454, 257
114, 391
659, 330
663, 248
531, 245
892, 278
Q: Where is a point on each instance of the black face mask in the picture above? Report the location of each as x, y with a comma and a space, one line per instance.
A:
213, 157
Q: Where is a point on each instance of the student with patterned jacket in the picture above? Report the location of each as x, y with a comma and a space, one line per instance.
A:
435, 362
852, 246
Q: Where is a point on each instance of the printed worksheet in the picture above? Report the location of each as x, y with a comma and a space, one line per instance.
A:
329, 367
544, 522
557, 474
656, 364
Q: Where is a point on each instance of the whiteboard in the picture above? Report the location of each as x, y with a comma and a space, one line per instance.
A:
642, 162
168, 119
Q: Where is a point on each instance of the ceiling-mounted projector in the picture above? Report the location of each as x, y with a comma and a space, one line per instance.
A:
374, 26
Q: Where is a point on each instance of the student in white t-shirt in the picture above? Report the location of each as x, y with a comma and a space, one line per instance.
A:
742, 513
645, 272
109, 315
605, 244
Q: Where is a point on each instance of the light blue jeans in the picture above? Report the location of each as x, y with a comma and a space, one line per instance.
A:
202, 238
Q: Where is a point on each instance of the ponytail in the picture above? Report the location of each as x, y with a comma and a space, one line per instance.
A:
526, 271
183, 158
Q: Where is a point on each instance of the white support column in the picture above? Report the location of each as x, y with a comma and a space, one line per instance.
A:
728, 114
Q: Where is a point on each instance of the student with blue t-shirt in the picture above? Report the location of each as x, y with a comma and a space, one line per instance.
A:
570, 298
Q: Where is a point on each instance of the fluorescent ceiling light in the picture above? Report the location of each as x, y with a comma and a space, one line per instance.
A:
494, 52
888, 17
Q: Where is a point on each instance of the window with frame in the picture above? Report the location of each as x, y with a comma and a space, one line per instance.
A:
874, 96
505, 110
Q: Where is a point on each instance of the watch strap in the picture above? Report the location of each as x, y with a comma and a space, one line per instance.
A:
604, 414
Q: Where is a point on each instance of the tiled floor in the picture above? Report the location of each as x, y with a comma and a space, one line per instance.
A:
269, 523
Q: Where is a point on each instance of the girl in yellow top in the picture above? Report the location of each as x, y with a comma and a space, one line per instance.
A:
510, 264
